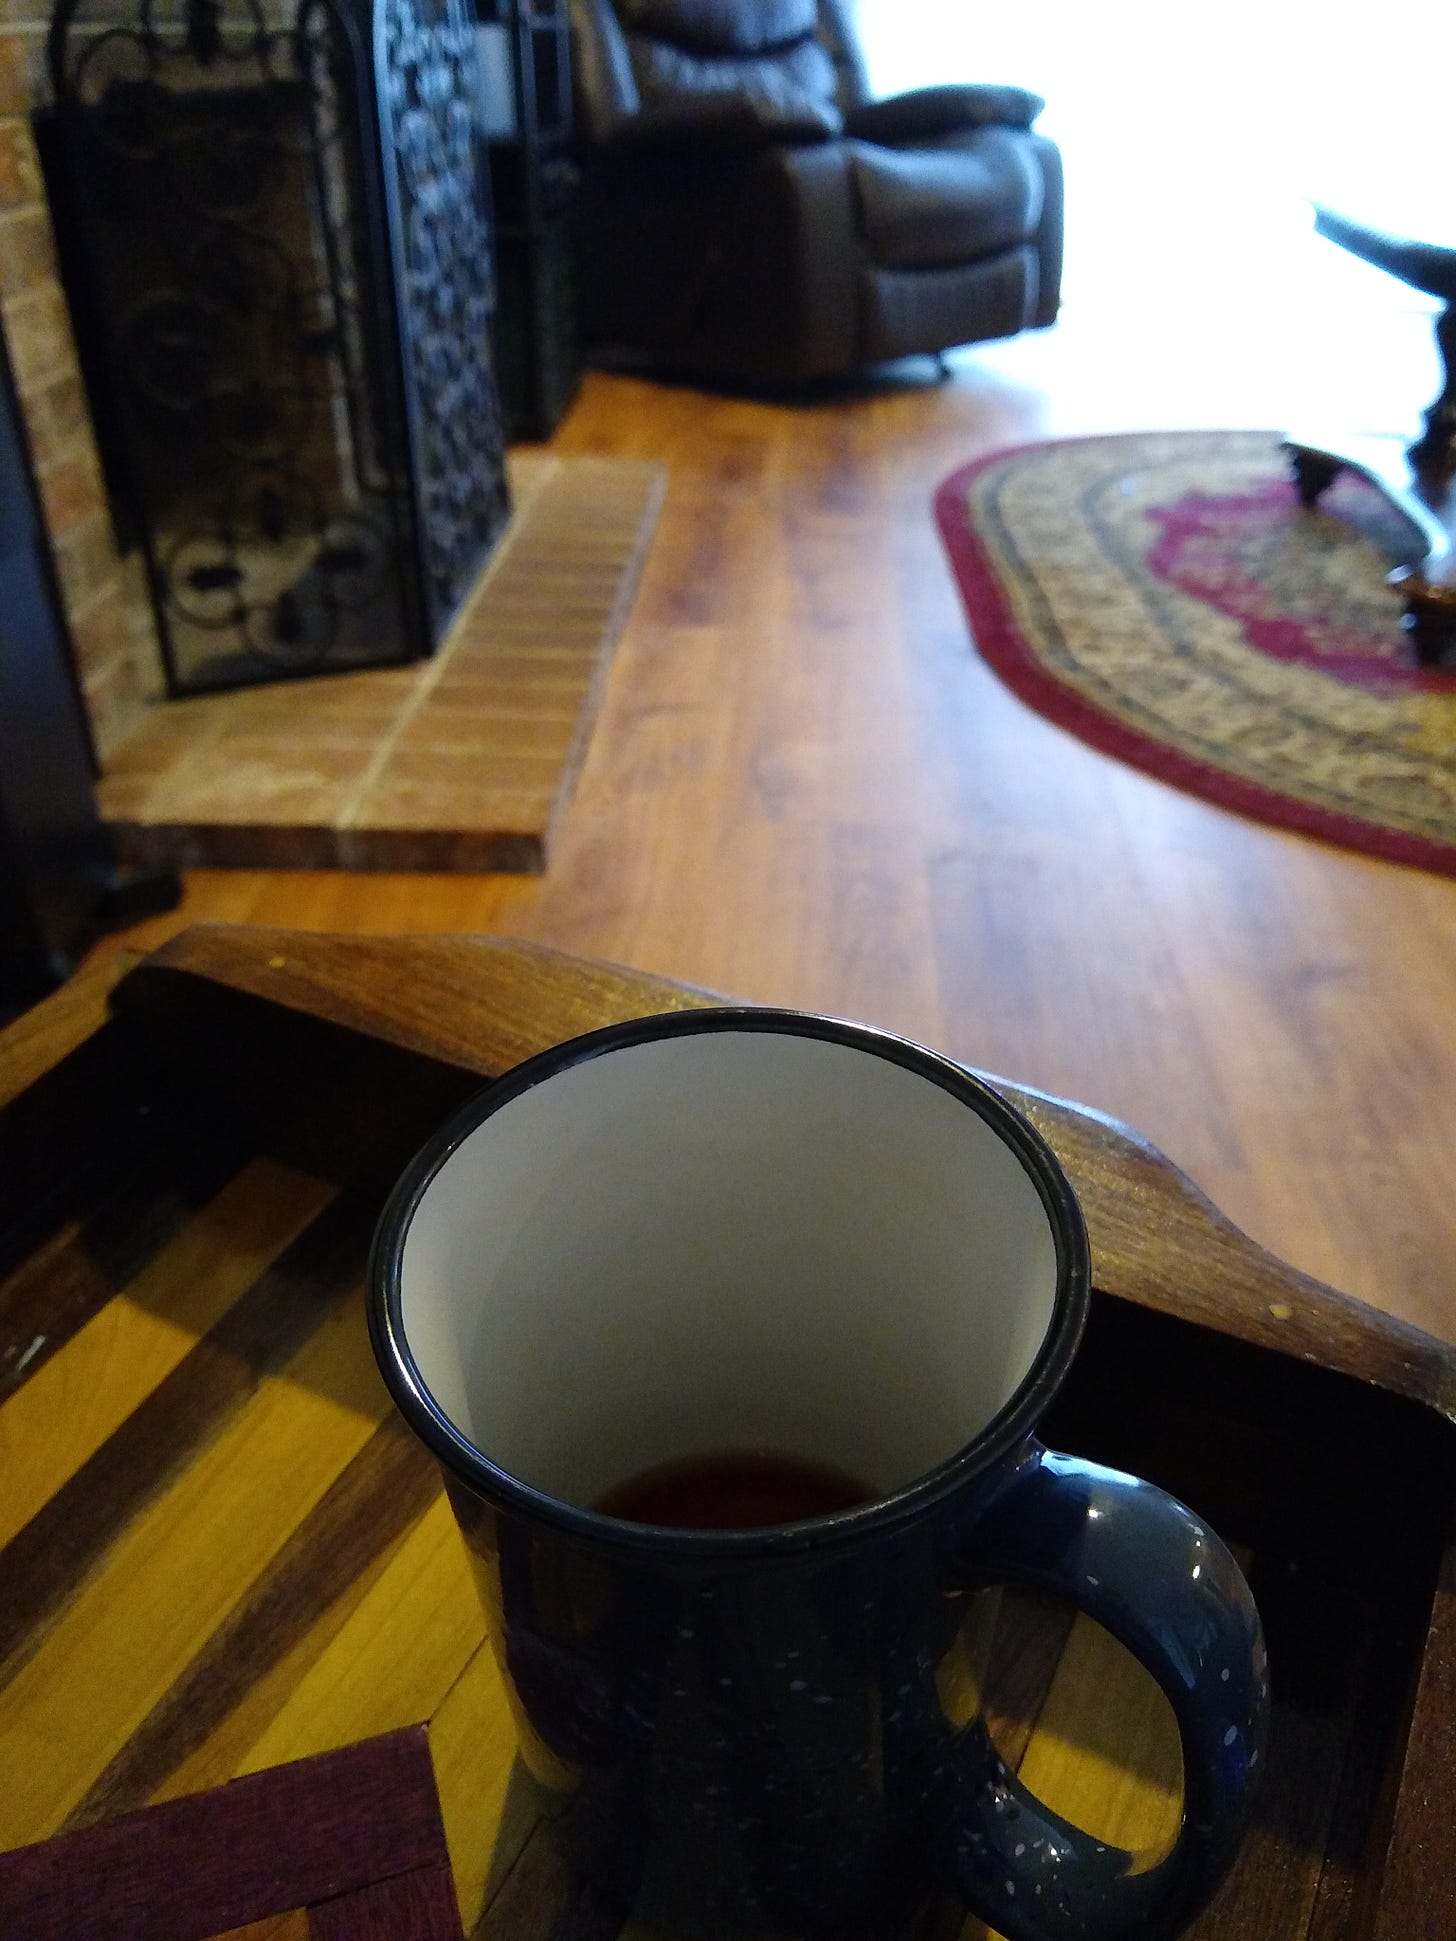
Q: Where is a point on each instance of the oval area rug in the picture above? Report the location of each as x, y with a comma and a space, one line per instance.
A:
1165, 597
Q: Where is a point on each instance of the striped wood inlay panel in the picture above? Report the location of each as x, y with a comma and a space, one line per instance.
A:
395, 1658
195, 1736
222, 1549
209, 1450
64, 1412
257, 1336
78, 1269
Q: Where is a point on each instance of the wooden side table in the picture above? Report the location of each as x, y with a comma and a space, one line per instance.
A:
220, 1549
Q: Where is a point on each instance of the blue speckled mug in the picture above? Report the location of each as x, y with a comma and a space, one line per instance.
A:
755, 1229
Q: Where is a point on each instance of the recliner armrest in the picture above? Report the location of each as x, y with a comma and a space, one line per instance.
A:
725, 120
923, 113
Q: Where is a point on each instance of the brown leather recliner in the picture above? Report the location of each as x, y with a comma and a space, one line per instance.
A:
749, 213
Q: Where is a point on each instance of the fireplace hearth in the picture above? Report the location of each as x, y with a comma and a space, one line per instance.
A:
276, 244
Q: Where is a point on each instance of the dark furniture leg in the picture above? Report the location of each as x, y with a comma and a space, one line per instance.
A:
1313, 471
1428, 587
1432, 629
1430, 614
1433, 456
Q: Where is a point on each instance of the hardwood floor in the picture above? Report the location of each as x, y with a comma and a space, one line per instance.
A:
805, 788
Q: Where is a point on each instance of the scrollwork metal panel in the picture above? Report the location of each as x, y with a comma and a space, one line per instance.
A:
427, 74
227, 165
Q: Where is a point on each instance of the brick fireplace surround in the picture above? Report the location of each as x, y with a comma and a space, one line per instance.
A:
463, 761
105, 596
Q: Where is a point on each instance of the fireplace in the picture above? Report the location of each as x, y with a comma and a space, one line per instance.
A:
464, 759
276, 243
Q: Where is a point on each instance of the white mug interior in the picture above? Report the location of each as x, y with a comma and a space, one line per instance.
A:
726, 1240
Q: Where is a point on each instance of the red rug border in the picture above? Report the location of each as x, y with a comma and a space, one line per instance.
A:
996, 638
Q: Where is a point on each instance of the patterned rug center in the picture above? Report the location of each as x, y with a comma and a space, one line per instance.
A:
1304, 586
1165, 597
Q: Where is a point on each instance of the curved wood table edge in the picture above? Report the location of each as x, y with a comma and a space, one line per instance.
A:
480, 1005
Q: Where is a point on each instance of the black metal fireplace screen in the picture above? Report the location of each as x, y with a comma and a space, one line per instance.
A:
277, 245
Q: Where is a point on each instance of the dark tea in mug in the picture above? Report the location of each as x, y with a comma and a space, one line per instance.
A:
740, 1489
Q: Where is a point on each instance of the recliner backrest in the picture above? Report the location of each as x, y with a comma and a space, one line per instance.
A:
792, 62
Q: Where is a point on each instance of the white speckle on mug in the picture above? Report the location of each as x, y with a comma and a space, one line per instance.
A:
798, 1684
1224, 1675
1231, 1735
1093, 1581
31, 1352
1019, 1848
1011, 1886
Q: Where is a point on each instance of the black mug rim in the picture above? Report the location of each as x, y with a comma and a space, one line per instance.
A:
1010, 1426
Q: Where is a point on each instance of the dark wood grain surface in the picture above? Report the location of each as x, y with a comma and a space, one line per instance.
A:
355, 1834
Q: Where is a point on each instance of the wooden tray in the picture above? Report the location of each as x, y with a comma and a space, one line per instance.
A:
220, 1550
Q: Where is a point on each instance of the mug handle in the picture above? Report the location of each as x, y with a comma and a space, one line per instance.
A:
1162, 1583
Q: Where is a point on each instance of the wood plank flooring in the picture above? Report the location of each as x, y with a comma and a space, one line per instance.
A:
805, 788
